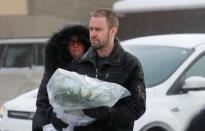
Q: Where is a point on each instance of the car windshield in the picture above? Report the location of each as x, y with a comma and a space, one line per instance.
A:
158, 62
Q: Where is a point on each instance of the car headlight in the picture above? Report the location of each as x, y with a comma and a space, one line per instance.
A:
2, 110
21, 114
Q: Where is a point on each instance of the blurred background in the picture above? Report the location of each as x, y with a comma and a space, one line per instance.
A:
37, 18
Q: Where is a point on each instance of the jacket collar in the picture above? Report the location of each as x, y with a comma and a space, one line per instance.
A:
115, 58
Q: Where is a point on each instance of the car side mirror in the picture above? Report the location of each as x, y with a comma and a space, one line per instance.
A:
194, 83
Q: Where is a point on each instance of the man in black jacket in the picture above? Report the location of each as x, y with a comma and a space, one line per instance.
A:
107, 60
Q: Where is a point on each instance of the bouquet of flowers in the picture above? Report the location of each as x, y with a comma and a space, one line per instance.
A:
70, 92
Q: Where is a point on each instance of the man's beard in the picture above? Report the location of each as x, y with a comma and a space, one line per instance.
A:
101, 44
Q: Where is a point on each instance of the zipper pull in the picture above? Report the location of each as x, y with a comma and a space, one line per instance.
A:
107, 75
96, 73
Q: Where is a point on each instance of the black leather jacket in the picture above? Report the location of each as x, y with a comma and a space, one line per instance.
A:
124, 69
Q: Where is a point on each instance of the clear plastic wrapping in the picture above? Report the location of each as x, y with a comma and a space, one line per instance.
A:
70, 92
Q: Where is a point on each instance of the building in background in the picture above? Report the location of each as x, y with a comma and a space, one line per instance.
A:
151, 17
37, 18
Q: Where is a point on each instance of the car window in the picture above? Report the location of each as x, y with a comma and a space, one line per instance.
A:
39, 56
17, 55
197, 69
1, 55
158, 62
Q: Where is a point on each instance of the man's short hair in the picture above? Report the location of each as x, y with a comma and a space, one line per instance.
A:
110, 16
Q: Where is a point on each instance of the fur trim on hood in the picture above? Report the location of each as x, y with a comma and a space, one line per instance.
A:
56, 53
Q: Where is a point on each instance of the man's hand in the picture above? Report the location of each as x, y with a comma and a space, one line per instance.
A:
57, 123
102, 112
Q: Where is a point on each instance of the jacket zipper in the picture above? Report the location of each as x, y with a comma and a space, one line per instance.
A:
96, 73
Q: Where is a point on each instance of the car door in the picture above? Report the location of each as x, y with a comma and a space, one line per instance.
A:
193, 101
16, 70
37, 64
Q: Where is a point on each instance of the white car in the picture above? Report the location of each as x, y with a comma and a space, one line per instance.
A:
17, 114
175, 84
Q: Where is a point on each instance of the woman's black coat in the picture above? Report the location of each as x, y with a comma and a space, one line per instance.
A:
56, 56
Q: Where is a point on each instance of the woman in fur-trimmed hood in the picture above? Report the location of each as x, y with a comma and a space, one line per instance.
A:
61, 49
57, 54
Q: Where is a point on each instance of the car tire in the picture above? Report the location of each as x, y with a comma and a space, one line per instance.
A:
157, 126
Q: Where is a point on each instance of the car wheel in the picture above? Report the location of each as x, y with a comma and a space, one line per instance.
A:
157, 126
157, 129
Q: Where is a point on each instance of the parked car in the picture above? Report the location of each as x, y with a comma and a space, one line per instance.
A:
175, 84
21, 65
17, 114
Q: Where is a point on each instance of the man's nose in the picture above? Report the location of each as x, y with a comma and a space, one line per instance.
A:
93, 33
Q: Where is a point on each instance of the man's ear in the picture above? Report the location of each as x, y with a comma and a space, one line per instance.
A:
114, 31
